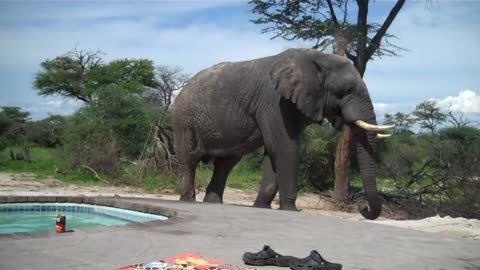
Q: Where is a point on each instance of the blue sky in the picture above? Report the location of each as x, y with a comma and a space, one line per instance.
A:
441, 62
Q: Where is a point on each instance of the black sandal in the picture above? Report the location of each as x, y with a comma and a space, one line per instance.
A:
313, 262
266, 256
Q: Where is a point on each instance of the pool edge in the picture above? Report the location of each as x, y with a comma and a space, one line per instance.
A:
116, 202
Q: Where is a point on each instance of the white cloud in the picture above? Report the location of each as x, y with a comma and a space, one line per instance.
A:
381, 107
193, 47
394, 107
81, 11
467, 101
52, 105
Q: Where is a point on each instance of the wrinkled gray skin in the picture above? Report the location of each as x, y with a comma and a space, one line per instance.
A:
231, 109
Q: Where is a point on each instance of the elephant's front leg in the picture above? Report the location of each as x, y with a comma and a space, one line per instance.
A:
286, 164
269, 186
281, 128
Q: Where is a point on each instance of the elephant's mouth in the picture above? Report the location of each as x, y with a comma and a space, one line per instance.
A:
351, 114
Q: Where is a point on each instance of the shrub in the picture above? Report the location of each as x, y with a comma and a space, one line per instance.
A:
440, 170
125, 115
3, 143
317, 157
47, 132
88, 143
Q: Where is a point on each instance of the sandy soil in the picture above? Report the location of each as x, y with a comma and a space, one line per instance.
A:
27, 184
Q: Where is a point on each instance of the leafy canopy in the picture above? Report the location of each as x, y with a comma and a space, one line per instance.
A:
317, 20
82, 74
402, 122
428, 115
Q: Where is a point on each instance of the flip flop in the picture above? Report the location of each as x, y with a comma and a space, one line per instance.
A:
266, 256
313, 262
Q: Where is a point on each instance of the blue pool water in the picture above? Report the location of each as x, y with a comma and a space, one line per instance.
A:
37, 217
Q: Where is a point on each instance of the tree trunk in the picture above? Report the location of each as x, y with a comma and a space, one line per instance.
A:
342, 164
364, 54
344, 143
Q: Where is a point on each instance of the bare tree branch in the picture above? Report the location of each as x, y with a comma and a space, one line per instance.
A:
332, 13
375, 42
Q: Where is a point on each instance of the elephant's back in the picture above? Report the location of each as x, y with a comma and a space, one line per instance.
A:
216, 85
215, 106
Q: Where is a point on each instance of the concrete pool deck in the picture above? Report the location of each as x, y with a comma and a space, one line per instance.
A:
225, 232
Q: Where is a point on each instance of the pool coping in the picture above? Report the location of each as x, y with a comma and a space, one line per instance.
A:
116, 202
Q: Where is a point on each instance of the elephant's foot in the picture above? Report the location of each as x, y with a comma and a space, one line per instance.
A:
288, 208
185, 198
212, 197
288, 204
262, 205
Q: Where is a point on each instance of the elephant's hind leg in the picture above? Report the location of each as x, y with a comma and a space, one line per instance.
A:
185, 145
269, 187
222, 167
187, 192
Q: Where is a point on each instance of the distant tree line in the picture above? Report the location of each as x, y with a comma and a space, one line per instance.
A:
439, 166
123, 100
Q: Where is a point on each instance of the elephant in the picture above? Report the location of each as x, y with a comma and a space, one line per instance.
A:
233, 108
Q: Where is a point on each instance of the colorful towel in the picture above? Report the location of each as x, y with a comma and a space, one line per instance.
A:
184, 261
232, 267
192, 261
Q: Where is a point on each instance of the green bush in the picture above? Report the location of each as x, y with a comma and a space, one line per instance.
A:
114, 126
89, 143
47, 132
125, 115
3, 143
253, 161
317, 157
439, 169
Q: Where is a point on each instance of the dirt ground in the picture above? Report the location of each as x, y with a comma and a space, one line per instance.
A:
26, 184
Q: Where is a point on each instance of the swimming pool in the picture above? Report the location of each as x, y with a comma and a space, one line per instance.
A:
38, 217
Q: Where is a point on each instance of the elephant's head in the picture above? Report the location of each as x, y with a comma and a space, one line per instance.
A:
329, 86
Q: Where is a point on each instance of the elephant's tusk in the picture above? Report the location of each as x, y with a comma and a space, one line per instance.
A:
371, 127
383, 136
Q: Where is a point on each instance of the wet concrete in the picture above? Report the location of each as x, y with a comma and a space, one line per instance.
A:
224, 232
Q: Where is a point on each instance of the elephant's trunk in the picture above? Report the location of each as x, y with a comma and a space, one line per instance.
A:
366, 146
366, 153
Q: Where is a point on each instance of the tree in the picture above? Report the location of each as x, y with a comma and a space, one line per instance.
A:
402, 122
458, 120
81, 74
317, 20
12, 124
16, 114
170, 80
113, 126
428, 115
360, 41
66, 75
47, 132
129, 75
439, 170
5, 122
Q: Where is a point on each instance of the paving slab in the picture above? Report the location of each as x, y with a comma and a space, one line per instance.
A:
225, 232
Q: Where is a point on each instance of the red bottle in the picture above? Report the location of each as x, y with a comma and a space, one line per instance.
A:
60, 224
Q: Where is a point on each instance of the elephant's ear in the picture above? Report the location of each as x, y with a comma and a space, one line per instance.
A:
301, 82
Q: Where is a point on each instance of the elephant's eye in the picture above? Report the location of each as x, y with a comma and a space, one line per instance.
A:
344, 91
